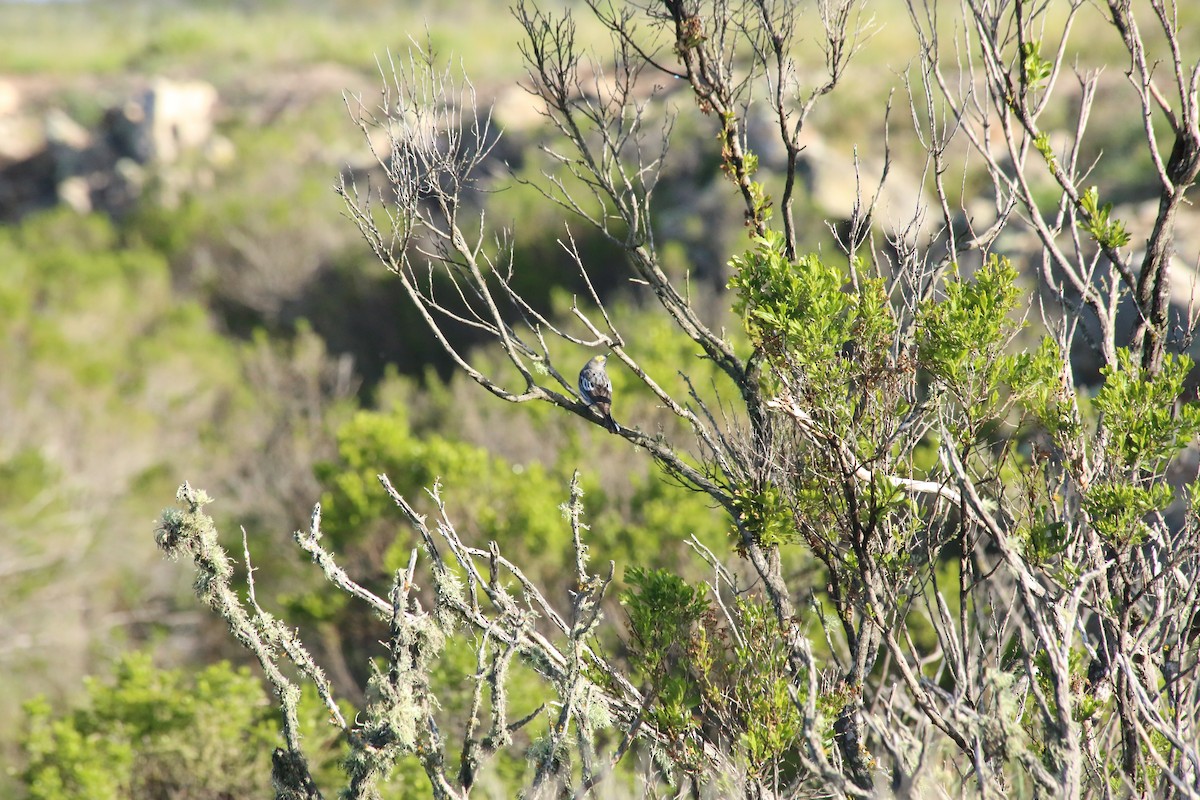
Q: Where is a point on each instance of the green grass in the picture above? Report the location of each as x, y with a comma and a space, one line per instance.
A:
85, 39
223, 40
225, 37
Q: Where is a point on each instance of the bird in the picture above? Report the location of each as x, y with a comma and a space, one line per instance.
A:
596, 390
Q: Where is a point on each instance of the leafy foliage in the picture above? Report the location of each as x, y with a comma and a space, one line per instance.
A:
1097, 220
1035, 70
801, 307
152, 733
1148, 423
514, 505
812, 327
765, 514
962, 336
704, 674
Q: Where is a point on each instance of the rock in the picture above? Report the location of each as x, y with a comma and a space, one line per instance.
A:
515, 109
1139, 219
67, 142
60, 161
75, 194
10, 99
127, 183
179, 117
21, 136
1021, 243
127, 133
829, 176
763, 139
27, 185
220, 152
62, 131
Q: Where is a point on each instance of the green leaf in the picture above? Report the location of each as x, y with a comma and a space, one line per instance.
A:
1146, 421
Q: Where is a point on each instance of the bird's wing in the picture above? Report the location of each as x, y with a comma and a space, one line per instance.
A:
597, 387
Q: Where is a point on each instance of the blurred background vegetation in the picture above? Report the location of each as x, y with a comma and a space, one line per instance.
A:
227, 326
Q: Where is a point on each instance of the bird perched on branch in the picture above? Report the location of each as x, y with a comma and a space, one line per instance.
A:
596, 389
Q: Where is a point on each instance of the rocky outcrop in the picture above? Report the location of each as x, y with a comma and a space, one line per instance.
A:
837, 179
166, 131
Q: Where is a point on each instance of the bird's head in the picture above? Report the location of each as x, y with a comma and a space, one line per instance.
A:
599, 360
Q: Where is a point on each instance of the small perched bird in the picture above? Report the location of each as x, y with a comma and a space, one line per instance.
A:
596, 389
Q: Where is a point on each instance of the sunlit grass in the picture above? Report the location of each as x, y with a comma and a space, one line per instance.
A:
219, 41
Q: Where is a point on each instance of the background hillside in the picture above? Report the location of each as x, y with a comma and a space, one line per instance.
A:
205, 312
191, 303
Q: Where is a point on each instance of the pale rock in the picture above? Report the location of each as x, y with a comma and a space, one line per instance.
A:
75, 194
179, 116
835, 183
21, 137
515, 109
219, 152
62, 131
10, 99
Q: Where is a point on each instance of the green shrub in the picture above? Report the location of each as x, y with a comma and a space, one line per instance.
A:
151, 733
